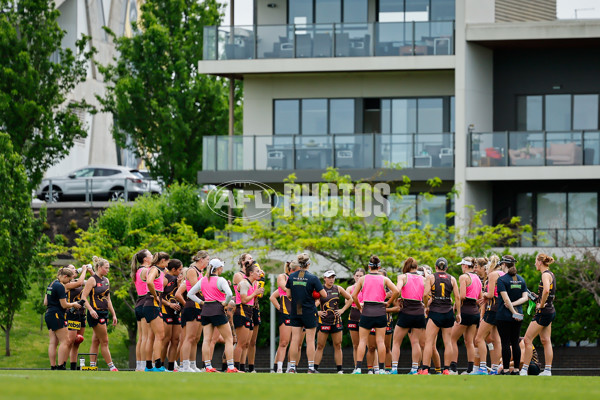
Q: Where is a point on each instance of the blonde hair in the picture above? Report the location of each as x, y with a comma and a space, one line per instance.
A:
65, 271
544, 259
98, 262
494, 266
303, 260
200, 255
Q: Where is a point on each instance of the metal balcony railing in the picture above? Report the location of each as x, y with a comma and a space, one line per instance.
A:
328, 40
502, 149
351, 151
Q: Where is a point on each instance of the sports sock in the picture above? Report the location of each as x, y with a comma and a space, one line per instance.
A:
157, 363
62, 367
73, 366
208, 364
111, 365
242, 367
292, 365
470, 367
230, 364
224, 366
548, 367
425, 367
445, 367
279, 365
453, 366
185, 364
148, 364
311, 365
482, 365
93, 363
359, 364
339, 367
381, 366
250, 367
394, 366
53, 367
171, 366
525, 367
316, 367
193, 364
237, 365
495, 367
275, 367
438, 370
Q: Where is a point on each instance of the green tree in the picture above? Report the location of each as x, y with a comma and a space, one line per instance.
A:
20, 236
161, 104
33, 87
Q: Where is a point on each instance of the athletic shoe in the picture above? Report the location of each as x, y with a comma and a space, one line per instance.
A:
312, 371
492, 372
229, 371
148, 369
202, 370
188, 369
453, 372
291, 371
176, 366
340, 372
280, 371
394, 372
383, 372
356, 371
523, 372
252, 372
114, 369
413, 372
479, 371
212, 370
545, 373
370, 372
161, 369
423, 372
446, 372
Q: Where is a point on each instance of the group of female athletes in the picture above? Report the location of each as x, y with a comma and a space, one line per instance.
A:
176, 305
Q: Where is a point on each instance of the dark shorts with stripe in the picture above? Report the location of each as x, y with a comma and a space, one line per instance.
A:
308, 321
171, 319
330, 328
544, 319
55, 320
283, 319
240, 320
409, 321
151, 313
214, 320
139, 313
352, 325
372, 322
101, 320
190, 314
442, 320
469, 319
75, 321
490, 317
256, 321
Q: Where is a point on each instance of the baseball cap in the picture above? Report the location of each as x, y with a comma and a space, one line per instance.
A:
441, 263
465, 262
214, 264
329, 273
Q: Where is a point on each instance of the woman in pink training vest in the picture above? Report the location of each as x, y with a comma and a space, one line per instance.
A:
373, 312
216, 293
354, 317
470, 291
246, 292
411, 285
140, 262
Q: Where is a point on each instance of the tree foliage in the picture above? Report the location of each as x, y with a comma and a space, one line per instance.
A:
162, 105
34, 86
20, 236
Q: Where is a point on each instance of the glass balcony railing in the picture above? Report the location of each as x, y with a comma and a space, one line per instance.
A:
501, 149
562, 237
328, 40
352, 151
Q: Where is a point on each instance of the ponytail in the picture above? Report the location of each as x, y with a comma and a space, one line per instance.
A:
544, 259
409, 265
136, 261
374, 263
303, 260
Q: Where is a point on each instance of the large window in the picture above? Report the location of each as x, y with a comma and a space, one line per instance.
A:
327, 11
415, 10
425, 210
561, 218
314, 116
557, 112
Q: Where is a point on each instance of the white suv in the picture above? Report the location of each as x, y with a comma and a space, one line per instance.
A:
94, 182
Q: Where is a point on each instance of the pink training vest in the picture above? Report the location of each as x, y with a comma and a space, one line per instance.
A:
373, 289
210, 290
474, 289
251, 290
140, 286
158, 282
500, 274
238, 298
281, 291
360, 295
414, 287
188, 285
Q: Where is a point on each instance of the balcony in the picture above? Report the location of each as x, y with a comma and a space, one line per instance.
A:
562, 237
317, 152
328, 40
510, 149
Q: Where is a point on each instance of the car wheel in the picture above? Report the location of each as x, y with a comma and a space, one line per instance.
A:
116, 194
53, 197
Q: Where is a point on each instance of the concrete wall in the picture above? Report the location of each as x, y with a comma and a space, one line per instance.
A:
525, 10
270, 16
260, 91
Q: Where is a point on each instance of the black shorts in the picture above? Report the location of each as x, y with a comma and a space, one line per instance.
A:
308, 321
372, 322
171, 319
214, 320
240, 320
469, 319
442, 320
352, 326
139, 313
544, 319
330, 328
256, 317
151, 313
411, 321
490, 317
55, 320
102, 318
283, 319
75, 321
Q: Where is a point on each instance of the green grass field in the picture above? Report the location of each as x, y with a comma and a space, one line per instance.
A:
134, 385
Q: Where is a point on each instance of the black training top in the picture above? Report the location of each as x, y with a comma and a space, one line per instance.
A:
440, 292
302, 283
514, 287
54, 293
548, 308
329, 304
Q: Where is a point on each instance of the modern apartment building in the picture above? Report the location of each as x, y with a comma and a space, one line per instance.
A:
88, 17
498, 98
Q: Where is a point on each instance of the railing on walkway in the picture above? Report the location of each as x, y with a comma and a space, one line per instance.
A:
351, 151
501, 149
328, 40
